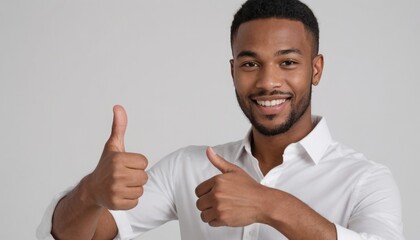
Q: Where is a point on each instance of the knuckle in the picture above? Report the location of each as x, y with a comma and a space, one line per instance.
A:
138, 179
114, 190
145, 177
223, 215
203, 217
217, 195
117, 175
140, 192
198, 204
218, 180
219, 209
199, 190
143, 161
142, 157
108, 144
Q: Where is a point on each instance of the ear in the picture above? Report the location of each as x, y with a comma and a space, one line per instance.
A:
317, 68
231, 61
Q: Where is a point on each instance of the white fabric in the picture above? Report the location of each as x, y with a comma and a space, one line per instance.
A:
44, 229
358, 195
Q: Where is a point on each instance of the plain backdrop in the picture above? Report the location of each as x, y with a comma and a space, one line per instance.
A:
64, 64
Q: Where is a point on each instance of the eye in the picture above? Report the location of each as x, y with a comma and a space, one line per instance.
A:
288, 63
249, 64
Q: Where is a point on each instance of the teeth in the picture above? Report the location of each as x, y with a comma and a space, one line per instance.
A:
271, 103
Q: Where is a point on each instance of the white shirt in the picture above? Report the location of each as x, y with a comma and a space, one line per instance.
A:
359, 196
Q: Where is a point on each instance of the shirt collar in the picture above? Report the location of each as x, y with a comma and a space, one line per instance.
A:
318, 140
315, 143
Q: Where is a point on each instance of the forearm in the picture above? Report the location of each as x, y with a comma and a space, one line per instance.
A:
76, 216
293, 218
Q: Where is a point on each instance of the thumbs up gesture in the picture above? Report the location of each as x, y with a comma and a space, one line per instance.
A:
117, 181
231, 198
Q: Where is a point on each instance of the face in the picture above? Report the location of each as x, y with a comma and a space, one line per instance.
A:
273, 69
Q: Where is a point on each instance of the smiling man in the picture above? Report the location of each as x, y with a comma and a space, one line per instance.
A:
287, 179
274, 67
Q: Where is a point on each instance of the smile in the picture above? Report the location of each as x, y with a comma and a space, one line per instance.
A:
272, 103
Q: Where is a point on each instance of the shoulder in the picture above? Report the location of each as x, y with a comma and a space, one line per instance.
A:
347, 156
355, 165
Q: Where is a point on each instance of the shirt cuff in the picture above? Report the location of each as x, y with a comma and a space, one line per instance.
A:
346, 234
43, 231
125, 232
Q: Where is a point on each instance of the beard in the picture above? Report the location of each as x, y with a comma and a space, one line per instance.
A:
298, 109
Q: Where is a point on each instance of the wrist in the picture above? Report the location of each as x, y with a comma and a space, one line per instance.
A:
271, 207
289, 215
85, 193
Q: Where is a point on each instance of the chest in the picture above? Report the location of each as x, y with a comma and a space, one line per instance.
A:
326, 189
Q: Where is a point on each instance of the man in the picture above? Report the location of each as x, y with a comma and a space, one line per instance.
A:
288, 179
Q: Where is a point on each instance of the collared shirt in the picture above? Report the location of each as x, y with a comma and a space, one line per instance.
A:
359, 196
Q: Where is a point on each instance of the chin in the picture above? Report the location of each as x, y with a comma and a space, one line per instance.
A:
272, 130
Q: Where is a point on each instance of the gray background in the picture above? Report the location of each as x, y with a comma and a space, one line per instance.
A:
64, 64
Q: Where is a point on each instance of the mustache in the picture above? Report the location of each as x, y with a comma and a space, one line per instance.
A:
262, 92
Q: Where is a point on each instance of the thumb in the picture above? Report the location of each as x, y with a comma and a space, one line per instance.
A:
119, 124
219, 162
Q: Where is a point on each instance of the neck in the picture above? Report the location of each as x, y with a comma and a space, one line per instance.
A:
269, 149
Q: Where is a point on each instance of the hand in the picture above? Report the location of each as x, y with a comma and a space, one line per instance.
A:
232, 198
117, 182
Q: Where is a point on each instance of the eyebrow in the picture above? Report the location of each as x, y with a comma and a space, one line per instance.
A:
252, 54
247, 54
288, 51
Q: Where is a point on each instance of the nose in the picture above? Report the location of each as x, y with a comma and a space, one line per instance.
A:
269, 78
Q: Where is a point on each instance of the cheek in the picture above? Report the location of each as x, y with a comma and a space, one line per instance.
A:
302, 94
301, 83
245, 82
241, 86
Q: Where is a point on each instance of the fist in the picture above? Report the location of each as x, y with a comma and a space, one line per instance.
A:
232, 198
117, 181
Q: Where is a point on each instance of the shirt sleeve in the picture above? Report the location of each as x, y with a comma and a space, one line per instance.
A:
377, 211
43, 231
156, 206
153, 210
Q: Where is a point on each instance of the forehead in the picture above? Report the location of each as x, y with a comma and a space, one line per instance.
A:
272, 34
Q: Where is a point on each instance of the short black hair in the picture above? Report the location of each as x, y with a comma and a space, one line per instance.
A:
286, 9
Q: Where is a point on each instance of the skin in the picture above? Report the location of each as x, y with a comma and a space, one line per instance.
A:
272, 59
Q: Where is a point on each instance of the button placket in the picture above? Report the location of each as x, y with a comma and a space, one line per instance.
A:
271, 178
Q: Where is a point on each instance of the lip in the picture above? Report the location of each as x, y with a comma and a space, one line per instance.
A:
271, 110
270, 98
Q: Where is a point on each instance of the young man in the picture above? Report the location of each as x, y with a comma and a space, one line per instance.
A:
288, 179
